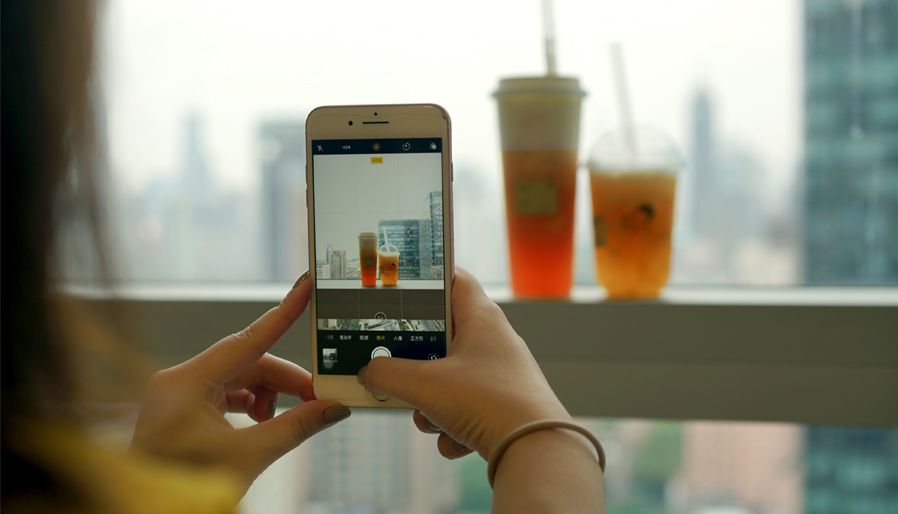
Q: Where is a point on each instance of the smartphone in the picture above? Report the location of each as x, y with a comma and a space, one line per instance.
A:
379, 197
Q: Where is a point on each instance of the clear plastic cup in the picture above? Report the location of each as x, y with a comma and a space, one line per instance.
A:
539, 122
388, 255
633, 179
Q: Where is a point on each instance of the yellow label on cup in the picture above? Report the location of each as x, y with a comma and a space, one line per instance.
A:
377, 160
535, 197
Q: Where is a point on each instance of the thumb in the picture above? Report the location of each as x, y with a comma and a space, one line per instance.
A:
402, 379
288, 430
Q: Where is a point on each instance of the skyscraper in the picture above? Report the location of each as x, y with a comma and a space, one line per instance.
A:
431, 236
337, 264
284, 227
851, 217
722, 200
703, 165
851, 134
405, 236
850, 470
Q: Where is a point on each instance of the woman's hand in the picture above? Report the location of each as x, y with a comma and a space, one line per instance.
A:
182, 416
488, 385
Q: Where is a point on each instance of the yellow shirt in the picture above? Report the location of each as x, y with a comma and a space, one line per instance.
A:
127, 483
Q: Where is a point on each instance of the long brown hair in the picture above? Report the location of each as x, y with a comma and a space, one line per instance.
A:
48, 165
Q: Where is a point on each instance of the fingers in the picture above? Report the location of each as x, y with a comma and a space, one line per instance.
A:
232, 355
402, 379
277, 375
424, 424
285, 432
259, 403
468, 296
450, 448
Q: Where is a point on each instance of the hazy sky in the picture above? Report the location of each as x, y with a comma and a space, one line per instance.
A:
352, 194
236, 64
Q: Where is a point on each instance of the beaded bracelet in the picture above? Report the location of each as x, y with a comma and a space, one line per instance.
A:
533, 427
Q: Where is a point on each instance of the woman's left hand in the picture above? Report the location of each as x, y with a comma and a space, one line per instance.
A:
182, 415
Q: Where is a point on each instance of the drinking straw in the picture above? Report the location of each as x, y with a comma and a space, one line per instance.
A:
623, 99
386, 241
549, 26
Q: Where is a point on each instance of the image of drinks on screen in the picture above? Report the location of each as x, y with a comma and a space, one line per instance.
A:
379, 235
379, 259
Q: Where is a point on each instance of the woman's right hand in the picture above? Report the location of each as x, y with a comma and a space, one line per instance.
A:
488, 385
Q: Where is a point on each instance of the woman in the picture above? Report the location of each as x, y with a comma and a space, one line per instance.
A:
185, 457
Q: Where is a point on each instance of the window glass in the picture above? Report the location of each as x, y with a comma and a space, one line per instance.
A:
786, 114
379, 462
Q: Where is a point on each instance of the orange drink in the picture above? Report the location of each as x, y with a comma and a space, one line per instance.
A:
368, 258
539, 127
539, 207
388, 256
633, 173
633, 215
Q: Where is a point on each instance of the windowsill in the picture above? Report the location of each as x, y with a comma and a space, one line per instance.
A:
805, 355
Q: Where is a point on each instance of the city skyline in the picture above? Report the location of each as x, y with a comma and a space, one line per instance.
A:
663, 103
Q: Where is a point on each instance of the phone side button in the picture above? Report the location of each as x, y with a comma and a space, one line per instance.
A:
451, 172
380, 398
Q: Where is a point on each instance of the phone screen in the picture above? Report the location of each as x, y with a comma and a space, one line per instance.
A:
378, 248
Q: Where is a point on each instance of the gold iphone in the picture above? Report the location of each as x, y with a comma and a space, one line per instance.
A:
379, 196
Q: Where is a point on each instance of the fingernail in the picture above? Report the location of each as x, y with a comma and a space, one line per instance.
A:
433, 427
300, 280
272, 407
336, 414
462, 448
361, 376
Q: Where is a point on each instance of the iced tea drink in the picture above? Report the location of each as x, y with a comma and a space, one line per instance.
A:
539, 125
388, 255
368, 258
539, 208
633, 214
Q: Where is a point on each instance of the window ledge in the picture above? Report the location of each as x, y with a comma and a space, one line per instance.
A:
806, 355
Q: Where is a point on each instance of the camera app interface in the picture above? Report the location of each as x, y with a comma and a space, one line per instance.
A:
379, 260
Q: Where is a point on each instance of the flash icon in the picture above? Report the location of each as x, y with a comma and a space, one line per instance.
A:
376, 147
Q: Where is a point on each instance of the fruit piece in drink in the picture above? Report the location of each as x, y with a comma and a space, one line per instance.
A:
632, 221
539, 206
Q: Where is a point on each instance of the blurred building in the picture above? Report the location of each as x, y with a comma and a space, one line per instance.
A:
704, 154
480, 224
379, 462
851, 217
431, 237
851, 137
405, 235
727, 212
189, 228
752, 465
284, 224
336, 260
851, 470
